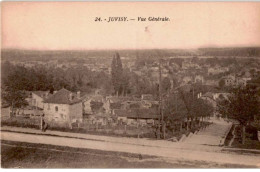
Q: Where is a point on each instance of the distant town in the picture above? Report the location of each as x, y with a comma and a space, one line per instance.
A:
156, 94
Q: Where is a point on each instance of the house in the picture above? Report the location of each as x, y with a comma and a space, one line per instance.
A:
63, 106
229, 80
242, 81
144, 116
147, 97
212, 82
186, 80
113, 102
236, 81
217, 70
98, 99
38, 98
199, 79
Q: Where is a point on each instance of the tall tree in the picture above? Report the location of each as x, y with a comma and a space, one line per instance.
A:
13, 93
242, 105
117, 73
166, 85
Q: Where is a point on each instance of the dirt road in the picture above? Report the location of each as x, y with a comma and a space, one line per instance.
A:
173, 153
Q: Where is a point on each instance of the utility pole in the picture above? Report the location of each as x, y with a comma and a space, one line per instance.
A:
176, 102
192, 92
161, 101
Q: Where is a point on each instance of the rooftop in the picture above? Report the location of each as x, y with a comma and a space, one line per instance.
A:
137, 113
63, 96
41, 93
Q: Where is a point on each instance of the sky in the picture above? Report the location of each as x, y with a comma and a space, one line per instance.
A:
71, 25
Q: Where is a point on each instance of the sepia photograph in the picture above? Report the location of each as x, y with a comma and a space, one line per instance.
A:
130, 85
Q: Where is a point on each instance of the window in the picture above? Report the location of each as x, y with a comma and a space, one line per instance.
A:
56, 108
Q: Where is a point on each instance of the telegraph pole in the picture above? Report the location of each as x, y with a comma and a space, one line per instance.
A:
160, 100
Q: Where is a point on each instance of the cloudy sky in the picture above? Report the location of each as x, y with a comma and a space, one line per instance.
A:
71, 25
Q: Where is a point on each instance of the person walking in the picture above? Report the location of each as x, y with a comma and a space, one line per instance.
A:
44, 125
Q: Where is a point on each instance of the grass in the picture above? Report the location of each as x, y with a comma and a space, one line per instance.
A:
28, 155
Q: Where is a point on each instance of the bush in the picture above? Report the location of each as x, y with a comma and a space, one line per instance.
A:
251, 132
22, 122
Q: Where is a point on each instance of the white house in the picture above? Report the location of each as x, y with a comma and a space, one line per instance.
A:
230, 80
64, 106
199, 79
38, 97
186, 79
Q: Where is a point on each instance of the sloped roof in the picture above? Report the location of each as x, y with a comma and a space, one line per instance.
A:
115, 99
40, 93
115, 105
208, 94
147, 97
96, 98
137, 113
63, 97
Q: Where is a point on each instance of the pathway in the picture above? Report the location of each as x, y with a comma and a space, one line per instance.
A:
213, 135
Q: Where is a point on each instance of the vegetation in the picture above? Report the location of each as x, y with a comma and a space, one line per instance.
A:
184, 111
46, 78
75, 56
251, 140
242, 105
117, 75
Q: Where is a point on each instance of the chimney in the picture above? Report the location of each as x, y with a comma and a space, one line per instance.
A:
78, 94
70, 96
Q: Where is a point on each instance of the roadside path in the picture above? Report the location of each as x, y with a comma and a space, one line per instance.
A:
122, 140
173, 153
214, 134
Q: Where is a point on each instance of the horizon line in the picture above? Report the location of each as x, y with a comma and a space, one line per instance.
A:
121, 49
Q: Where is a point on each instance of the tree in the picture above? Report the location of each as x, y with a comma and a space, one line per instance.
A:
117, 72
195, 59
178, 61
242, 105
166, 85
15, 99
13, 93
221, 83
125, 82
96, 106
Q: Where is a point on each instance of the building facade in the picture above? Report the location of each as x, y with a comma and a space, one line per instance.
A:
63, 106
